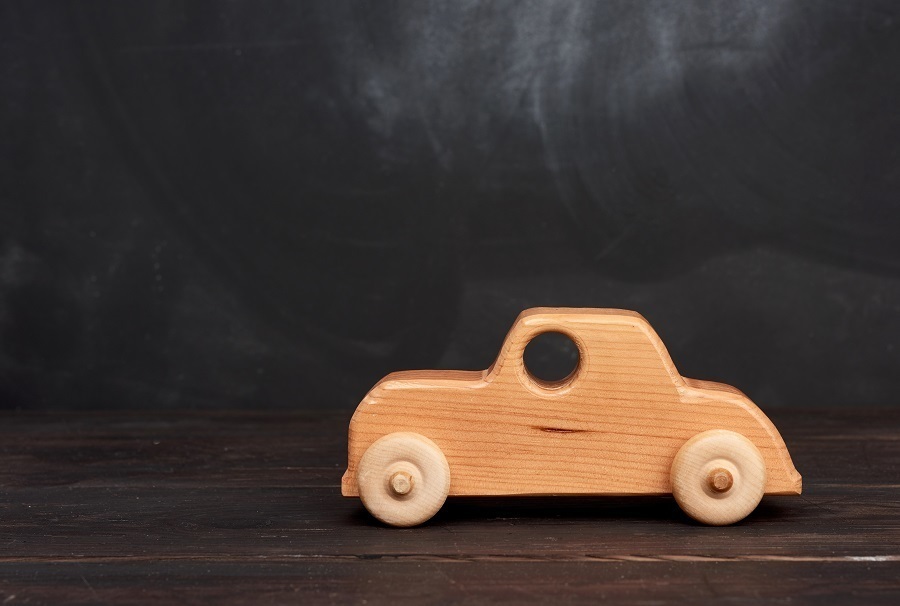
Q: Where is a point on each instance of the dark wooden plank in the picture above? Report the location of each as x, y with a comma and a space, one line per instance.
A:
437, 582
192, 450
221, 508
66, 523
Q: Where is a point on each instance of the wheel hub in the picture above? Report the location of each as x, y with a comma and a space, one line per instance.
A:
720, 480
401, 483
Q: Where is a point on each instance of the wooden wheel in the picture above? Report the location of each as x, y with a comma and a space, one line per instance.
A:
403, 479
718, 477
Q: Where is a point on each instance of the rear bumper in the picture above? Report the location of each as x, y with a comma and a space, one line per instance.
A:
348, 485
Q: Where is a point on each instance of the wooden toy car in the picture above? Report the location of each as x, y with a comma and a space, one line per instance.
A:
624, 422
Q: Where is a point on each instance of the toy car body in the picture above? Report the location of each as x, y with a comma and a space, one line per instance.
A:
615, 426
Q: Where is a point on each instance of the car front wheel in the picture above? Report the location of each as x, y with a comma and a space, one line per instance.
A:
718, 477
403, 479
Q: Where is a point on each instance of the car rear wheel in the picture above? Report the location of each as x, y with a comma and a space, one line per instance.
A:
718, 477
403, 479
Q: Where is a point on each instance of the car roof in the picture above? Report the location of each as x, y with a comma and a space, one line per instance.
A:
572, 316
610, 315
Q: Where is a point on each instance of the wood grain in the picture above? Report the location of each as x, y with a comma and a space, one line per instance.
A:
612, 427
236, 508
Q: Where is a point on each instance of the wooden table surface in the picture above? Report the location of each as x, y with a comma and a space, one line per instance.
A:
238, 508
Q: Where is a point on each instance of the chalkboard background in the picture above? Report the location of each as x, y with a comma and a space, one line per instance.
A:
272, 204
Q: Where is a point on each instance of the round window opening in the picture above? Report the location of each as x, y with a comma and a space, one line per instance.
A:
551, 358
